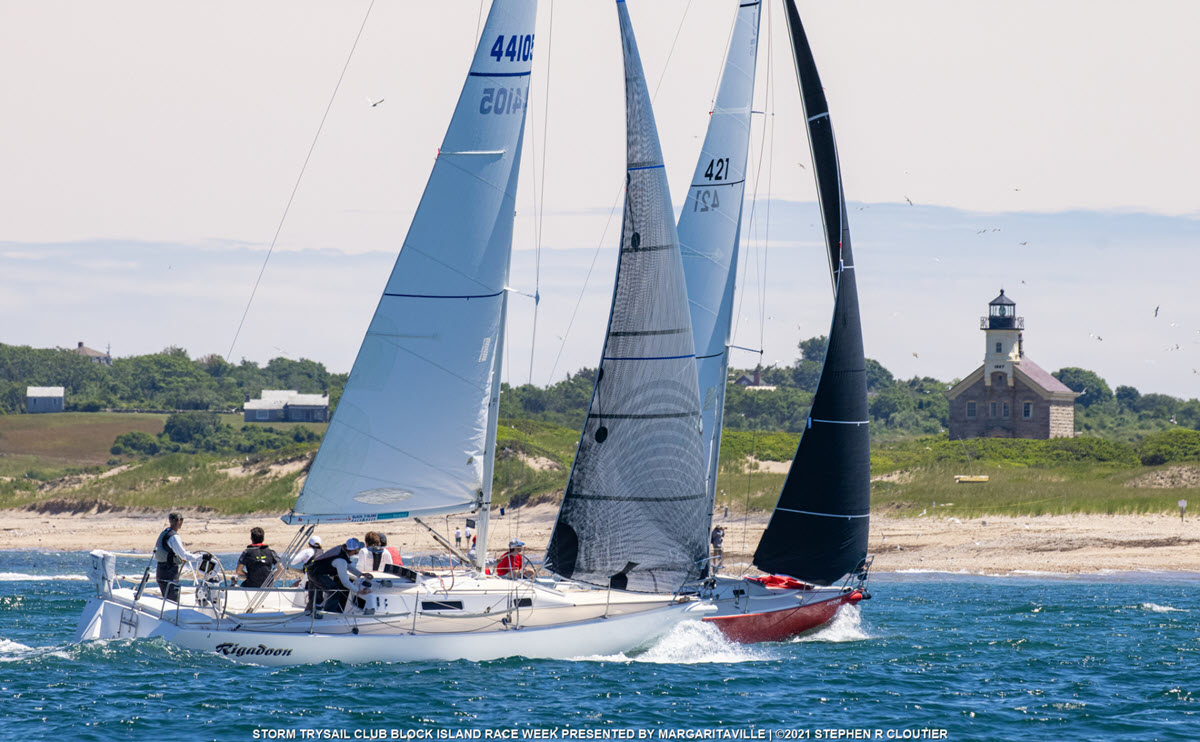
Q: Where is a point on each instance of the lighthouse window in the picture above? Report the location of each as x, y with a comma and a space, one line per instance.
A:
999, 348
991, 409
1006, 409
970, 409
1028, 412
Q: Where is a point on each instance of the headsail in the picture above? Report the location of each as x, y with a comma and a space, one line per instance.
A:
413, 429
710, 225
818, 531
633, 515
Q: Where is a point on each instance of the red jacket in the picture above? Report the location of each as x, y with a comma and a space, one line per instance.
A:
510, 562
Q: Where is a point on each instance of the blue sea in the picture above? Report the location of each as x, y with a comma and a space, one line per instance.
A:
931, 656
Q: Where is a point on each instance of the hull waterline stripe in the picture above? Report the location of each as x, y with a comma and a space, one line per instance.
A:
439, 296
823, 515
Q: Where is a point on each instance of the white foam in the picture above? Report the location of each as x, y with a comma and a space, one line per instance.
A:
22, 577
691, 643
846, 626
1161, 608
11, 651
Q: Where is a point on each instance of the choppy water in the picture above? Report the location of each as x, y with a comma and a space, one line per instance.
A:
985, 658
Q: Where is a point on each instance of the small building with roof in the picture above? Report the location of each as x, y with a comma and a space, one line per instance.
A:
40, 399
95, 356
287, 405
1009, 396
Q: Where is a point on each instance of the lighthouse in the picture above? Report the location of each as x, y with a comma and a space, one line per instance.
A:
1009, 396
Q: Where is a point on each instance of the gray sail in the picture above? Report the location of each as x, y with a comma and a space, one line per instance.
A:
634, 514
818, 531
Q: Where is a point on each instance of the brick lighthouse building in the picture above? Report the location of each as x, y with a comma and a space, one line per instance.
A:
1009, 396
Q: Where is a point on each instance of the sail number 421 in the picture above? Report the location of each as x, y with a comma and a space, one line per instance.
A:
517, 49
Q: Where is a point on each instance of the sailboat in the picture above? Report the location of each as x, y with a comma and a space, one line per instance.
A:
817, 535
414, 435
634, 515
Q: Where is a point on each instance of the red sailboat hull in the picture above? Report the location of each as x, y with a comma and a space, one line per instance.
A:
783, 623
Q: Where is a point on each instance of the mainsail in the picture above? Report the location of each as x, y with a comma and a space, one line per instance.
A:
634, 514
818, 532
414, 431
710, 225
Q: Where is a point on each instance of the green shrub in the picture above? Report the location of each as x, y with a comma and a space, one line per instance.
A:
1169, 447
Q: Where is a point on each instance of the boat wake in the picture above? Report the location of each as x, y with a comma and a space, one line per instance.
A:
22, 577
690, 643
846, 626
11, 651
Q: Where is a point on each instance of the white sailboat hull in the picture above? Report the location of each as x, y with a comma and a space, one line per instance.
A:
473, 619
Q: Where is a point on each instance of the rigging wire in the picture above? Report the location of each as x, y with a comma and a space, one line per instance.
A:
299, 177
540, 204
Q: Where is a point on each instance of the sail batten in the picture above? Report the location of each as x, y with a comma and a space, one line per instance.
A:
412, 430
818, 530
633, 515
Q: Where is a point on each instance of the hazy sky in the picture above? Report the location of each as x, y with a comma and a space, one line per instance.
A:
147, 151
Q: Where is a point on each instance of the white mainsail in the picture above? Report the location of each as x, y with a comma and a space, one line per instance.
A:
413, 430
710, 225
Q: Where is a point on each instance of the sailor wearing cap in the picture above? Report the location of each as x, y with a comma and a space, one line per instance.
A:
301, 563
512, 564
332, 572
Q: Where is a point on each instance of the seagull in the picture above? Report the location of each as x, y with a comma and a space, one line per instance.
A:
923, 512
1156, 311
374, 102
1025, 243
909, 200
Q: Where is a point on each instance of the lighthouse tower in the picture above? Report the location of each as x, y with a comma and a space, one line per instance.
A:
1002, 328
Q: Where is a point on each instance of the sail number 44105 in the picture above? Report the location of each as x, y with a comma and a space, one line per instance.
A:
516, 49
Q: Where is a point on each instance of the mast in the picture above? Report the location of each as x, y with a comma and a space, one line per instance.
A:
818, 530
710, 226
633, 514
489, 461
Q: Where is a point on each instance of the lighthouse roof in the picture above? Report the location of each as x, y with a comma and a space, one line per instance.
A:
1002, 299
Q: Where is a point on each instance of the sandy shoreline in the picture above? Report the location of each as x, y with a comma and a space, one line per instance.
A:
1073, 544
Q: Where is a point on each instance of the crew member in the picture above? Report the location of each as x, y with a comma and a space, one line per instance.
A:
170, 556
390, 549
301, 562
332, 573
373, 558
257, 561
512, 564
718, 552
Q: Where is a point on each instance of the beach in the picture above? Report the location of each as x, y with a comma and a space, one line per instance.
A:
1070, 544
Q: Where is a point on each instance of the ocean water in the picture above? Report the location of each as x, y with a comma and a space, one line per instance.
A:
959, 657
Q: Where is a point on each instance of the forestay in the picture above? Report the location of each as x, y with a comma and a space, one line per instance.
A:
710, 226
634, 512
414, 430
818, 531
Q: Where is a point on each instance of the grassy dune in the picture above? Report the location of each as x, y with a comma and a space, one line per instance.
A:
57, 443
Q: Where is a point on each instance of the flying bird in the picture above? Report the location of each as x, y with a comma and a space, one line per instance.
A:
909, 200
1156, 311
916, 356
374, 102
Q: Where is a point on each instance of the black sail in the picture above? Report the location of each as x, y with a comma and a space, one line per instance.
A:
818, 531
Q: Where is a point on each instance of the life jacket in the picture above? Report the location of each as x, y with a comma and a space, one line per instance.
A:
376, 556
323, 565
258, 560
164, 554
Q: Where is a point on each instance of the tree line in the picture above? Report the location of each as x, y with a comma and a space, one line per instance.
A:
168, 380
